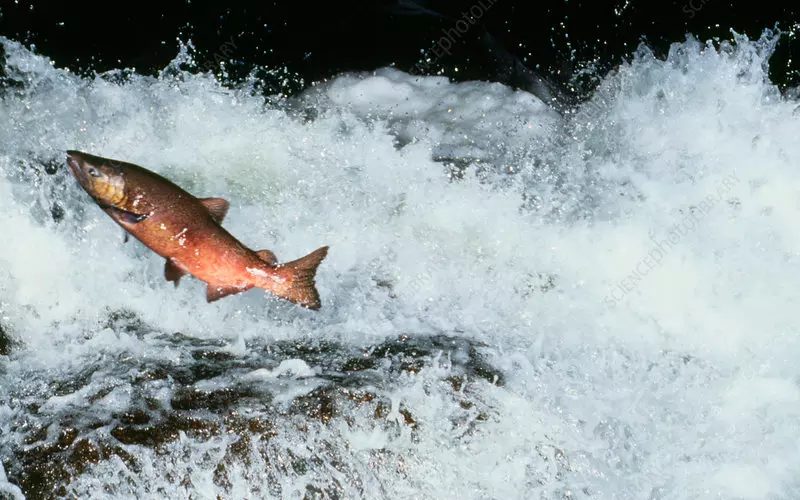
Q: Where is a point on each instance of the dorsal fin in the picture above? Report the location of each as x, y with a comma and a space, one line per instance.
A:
267, 257
217, 207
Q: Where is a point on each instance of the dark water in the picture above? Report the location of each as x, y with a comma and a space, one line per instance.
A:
557, 48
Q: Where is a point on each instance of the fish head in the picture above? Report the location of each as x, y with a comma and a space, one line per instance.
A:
102, 178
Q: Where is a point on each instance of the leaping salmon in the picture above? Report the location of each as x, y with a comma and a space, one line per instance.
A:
187, 232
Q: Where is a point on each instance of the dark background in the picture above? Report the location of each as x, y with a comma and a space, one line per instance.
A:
514, 42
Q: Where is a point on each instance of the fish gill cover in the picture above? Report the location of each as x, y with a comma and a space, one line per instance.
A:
517, 304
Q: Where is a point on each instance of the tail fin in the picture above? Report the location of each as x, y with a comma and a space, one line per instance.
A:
300, 279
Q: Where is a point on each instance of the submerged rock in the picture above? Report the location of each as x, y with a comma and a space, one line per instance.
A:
241, 404
5, 342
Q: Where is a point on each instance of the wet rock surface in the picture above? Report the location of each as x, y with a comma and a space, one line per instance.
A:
115, 407
5, 342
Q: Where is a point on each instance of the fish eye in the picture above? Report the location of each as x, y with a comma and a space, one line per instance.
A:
93, 172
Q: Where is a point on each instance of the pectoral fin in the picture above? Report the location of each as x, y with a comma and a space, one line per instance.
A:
267, 257
173, 272
217, 292
217, 207
124, 216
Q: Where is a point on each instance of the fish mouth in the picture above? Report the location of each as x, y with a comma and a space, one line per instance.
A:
74, 161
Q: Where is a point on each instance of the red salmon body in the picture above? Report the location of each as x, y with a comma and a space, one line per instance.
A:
187, 231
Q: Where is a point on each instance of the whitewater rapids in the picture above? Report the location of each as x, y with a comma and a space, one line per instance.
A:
516, 303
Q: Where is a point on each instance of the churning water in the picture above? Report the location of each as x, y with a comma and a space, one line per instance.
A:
516, 304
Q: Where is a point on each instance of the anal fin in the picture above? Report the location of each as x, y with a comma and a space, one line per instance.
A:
217, 292
173, 272
267, 257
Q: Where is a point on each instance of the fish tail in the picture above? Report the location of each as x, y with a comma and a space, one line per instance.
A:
299, 275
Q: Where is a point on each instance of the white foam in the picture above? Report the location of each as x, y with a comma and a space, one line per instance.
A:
294, 368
